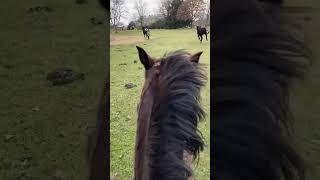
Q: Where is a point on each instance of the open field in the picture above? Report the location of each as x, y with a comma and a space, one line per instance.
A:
306, 96
124, 101
43, 128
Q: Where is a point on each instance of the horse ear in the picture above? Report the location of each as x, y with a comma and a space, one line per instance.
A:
195, 57
145, 59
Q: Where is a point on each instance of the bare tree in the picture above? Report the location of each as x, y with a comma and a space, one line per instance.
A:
208, 13
165, 8
117, 11
141, 7
204, 16
191, 10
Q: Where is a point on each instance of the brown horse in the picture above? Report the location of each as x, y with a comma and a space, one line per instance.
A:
168, 115
98, 155
98, 145
202, 31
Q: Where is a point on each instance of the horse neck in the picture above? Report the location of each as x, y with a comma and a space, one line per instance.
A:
143, 171
141, 149
166, 121
98, 155
166, 150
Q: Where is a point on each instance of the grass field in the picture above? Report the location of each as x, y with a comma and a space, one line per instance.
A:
43, 128
124, 101
306, 96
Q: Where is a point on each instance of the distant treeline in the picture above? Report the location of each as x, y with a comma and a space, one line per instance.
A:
170, 24
175, 14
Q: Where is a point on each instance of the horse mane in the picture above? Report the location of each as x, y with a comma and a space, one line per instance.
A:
254, 63
175, 115
97, 151
105, 4
97, 154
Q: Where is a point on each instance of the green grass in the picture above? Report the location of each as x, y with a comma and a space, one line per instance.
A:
306, 96
124, 101
49, 143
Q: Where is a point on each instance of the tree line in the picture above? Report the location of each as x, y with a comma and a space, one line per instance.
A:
171, 14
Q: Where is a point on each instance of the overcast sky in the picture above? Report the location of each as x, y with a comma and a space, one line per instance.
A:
152, 8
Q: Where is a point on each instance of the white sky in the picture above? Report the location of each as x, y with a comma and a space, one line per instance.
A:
152, 8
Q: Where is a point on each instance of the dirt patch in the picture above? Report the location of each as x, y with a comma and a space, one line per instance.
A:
119, 40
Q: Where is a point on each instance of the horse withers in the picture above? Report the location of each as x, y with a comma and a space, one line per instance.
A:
167, 139
202, 31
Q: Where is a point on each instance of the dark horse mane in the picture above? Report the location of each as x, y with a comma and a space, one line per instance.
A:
254, 63
105, 4
97, 142
175, 114
97, 146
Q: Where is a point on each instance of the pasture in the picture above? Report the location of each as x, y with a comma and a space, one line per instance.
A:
306, 95
44, 128
125, 67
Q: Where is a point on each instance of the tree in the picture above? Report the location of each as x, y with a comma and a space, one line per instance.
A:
169, 10
204, 17
191, 10
208, 13
117, 11
141, 7
165, 6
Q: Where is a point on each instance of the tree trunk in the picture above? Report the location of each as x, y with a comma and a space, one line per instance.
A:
141, 22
